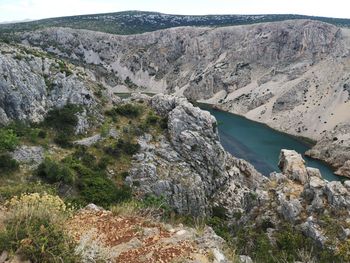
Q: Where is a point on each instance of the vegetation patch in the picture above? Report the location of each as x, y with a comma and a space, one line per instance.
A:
63, 121
34, 229
122, 147
8, 140
54, 172
7, 164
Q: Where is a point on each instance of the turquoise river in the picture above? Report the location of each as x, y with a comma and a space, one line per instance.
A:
259, 144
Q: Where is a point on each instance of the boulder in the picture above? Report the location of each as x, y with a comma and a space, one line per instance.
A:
313, 230
344, 170
292, 164
89, 140
337, 194
290, 209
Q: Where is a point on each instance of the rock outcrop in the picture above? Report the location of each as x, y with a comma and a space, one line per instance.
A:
292, 164
334, 148
30, 155
190, 168
31, 84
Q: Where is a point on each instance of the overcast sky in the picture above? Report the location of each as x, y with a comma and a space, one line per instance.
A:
11, 10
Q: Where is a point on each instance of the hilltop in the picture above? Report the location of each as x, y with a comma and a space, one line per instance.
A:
136, 22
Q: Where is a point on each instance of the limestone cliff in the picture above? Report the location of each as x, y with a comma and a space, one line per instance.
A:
291, 75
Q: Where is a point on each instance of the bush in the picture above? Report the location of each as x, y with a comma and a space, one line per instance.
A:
102, 191
63, 119
34, 229
128, 110
82, 155
8, 140
152, 119
64, 140
112, 113
54, 172
123, 146
24, 130
7, 164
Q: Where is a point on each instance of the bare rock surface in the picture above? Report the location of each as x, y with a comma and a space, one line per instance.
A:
31, 155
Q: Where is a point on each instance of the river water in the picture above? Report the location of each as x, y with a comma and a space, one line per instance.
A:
259, 144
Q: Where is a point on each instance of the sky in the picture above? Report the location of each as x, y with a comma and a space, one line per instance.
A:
14, 10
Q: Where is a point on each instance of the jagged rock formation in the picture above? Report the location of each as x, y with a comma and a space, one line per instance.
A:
190, 167
291, 75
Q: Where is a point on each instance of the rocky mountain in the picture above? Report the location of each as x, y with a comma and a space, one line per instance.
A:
291, 75
135, 22
67, 140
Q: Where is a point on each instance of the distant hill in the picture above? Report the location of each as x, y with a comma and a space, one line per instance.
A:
134, 22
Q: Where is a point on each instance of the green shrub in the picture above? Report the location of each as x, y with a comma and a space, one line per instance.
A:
64, 68
64, 140
123, 146
164, 123
82, 155
54, 172
42, 134
102, 191
112, 113
219, 212
63, 119
25, 131
8, 140
221, 228
152, 119
158, 202
128, 110
7, 164
104, 162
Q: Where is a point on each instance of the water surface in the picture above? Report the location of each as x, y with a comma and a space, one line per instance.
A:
259, 144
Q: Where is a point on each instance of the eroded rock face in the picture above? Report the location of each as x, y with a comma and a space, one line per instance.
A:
277, 73
173, 168
31, 85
